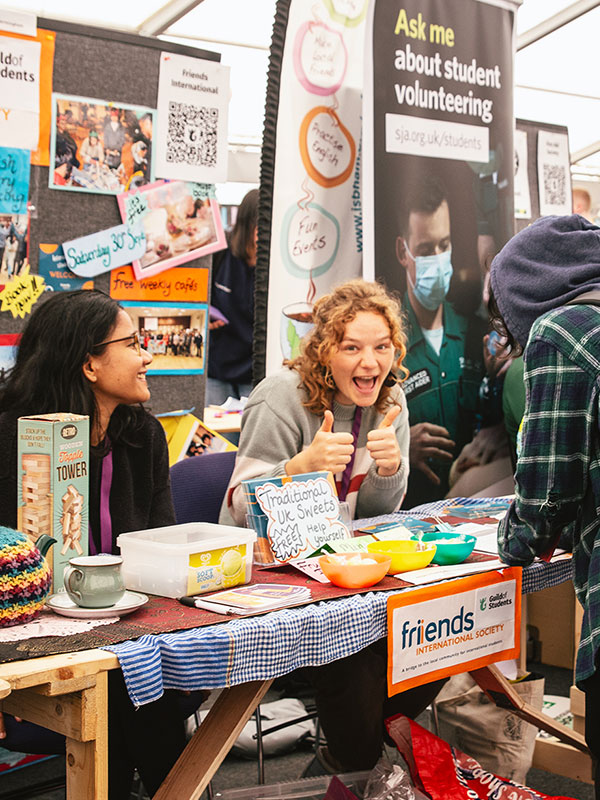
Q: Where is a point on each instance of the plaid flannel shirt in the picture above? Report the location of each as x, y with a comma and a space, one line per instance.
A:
558, 469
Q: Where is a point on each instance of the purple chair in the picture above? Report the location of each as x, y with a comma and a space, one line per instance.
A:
198, 486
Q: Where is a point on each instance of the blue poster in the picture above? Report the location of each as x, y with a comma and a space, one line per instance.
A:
53, 268
14, 180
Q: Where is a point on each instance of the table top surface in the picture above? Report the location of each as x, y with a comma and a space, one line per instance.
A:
222, 422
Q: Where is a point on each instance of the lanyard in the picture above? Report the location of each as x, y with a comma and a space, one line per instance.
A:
105, 518
345, 484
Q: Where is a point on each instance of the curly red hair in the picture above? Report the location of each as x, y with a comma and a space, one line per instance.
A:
331, 315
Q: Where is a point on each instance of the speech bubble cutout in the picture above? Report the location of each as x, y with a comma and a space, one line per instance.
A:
320, 58
347, 12
302, 516
21, 292
102, 251
327, 148
310, 240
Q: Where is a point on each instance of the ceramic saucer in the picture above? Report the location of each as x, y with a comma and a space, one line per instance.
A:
61, 604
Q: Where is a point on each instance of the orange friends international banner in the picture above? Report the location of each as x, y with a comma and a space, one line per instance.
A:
453, 627
175, 285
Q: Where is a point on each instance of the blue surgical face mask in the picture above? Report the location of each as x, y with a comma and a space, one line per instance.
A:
432, 278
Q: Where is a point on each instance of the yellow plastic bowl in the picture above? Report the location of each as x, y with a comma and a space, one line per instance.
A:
404, 554
354, 576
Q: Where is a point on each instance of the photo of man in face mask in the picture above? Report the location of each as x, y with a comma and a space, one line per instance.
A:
444, 347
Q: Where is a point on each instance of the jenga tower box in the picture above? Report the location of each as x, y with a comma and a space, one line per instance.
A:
52, 485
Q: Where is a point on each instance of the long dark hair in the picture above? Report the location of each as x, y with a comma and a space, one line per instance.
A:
56, 341
241, 239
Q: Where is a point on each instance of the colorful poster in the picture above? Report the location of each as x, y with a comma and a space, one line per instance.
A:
453, 627
175, 285
173, 333
21, 292
180, 220
20, 92
52, 266
9, 343
522, 193
99, 146
14, 180
554, 173
104, 250
192, 106
310, 227
438, 120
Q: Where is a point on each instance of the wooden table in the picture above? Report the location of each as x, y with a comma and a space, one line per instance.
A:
221, 423
68, 694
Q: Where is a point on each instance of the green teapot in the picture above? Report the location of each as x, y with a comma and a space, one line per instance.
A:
25, 577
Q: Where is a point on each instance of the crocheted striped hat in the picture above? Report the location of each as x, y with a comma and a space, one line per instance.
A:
24, 578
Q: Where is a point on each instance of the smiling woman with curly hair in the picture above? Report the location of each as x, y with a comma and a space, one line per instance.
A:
339, 407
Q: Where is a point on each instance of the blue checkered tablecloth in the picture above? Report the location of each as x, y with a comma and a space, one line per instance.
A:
263, 647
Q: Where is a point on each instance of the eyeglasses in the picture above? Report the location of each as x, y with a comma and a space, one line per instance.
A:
134, 339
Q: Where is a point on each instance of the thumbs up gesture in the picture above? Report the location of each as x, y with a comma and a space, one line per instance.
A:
383, 446
328, 451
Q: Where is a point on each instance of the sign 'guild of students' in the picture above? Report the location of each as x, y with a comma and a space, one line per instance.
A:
453, 627
293, 515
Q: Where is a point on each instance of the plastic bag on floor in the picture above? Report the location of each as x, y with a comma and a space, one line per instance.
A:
445, 773
389, 782
502, 742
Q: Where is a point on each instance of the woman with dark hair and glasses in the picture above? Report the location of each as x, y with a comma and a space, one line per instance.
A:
80, 353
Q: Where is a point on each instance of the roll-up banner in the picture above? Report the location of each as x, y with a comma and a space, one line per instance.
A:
310, 223
438, 175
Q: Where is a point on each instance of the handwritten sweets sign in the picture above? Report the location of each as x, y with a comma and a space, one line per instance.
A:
453, 627
296, 514
14, 180
20, 293
192, 108
19, 92
104, 250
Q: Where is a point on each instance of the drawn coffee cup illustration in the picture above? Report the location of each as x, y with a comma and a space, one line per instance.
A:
296, 321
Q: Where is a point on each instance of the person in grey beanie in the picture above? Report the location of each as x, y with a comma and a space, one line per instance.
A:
546, 298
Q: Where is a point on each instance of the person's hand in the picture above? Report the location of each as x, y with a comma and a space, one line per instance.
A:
2, 726
487, 445
216, 323
429, 441
383, 446
328, 451
497, 363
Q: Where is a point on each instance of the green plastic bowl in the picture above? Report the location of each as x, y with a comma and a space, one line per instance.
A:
454, 552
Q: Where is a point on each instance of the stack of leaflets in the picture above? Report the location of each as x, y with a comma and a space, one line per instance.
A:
254, 599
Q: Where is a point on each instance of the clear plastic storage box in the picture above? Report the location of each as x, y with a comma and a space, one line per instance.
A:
187, 559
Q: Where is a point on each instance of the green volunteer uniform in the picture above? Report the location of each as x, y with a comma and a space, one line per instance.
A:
443, 390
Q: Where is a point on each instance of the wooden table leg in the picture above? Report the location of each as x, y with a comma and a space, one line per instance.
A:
212, 741
87, 761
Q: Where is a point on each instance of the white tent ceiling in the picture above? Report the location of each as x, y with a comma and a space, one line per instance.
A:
556, 71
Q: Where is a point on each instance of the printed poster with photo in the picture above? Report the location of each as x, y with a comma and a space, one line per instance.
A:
14, 245
100, 146
173, 333
180, 220
9, 343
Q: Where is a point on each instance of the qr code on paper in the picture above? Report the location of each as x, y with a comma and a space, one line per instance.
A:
192, 134
555, 184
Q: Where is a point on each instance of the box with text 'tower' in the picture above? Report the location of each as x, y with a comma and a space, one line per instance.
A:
52, 484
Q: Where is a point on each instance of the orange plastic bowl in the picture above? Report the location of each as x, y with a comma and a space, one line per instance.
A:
355, 576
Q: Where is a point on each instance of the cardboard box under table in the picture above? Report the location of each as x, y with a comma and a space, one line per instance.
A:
52, 484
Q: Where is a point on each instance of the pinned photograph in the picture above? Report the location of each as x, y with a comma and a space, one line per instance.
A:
99, 146
180, 220
14, 244
175, 336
